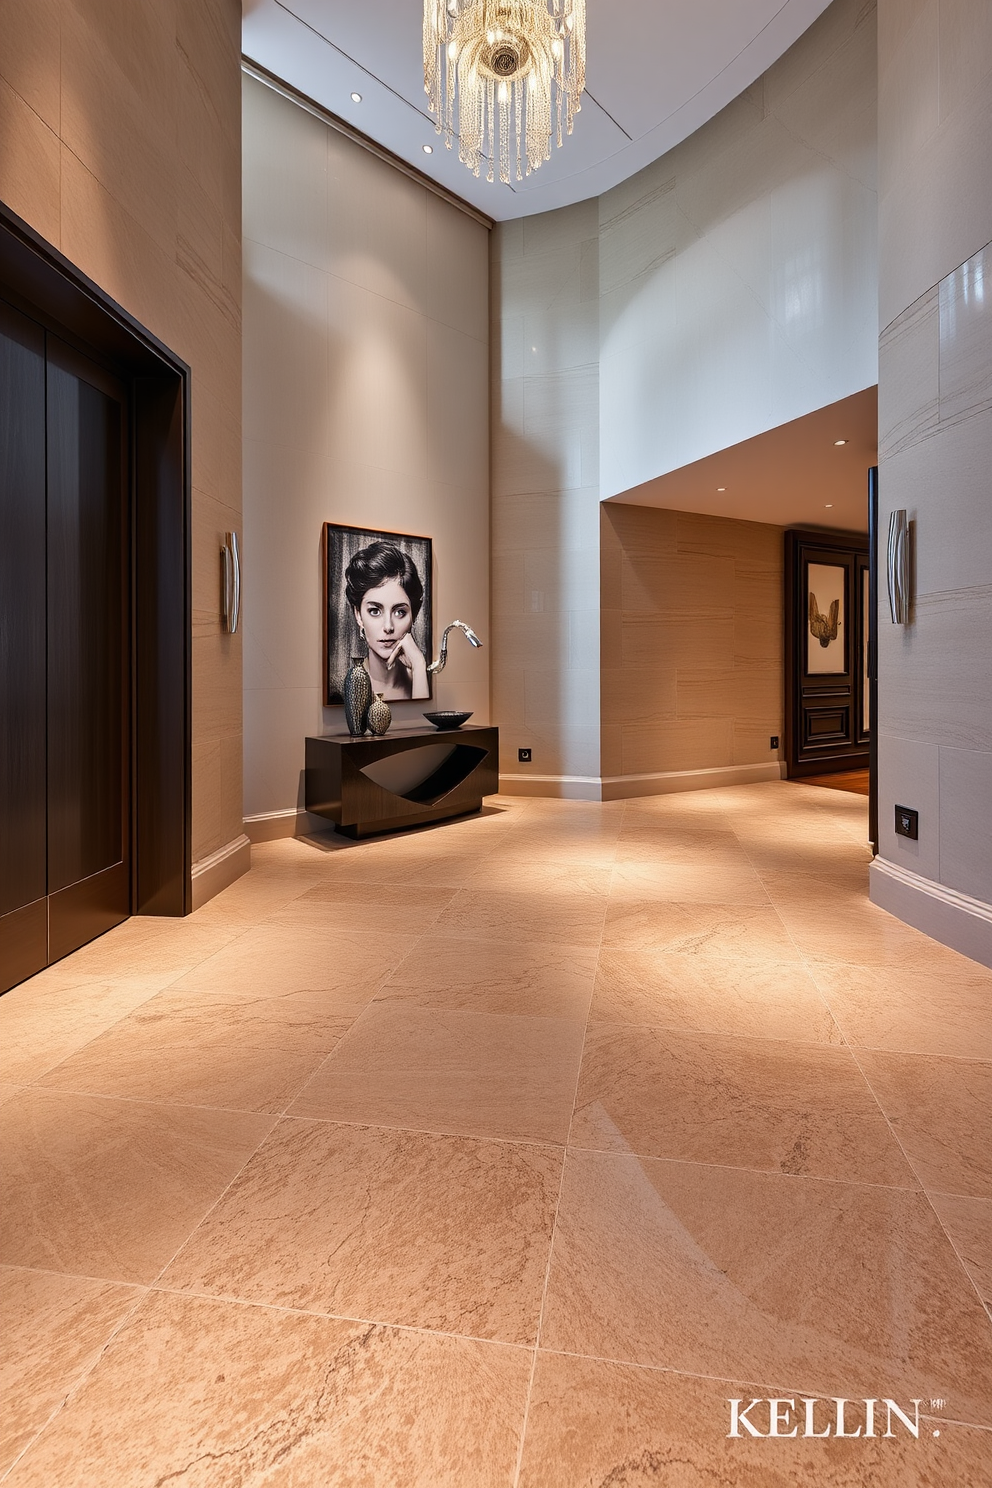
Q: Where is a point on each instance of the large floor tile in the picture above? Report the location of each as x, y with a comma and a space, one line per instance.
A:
41, 1026
941, 1111
911, 1012
503, 874
864, 935
111, 1188
54, 1328
969, 1224
400, 1227
214, 1396
478, 1074
500, 976
208, 1061
144, 946
715, 993
359, 908
558, 917
826, 1288
696, 883
274, 958
593, 1424
749, 1103
653, 924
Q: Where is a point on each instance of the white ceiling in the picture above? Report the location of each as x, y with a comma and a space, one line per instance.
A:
656, 71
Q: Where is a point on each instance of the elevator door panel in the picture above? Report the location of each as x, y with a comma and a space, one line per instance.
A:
85, 592
88, 877
23, 912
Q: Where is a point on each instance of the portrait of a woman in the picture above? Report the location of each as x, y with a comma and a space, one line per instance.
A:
377, 606
385, 593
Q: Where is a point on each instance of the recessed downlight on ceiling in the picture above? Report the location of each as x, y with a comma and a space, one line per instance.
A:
839, 442
721, 488
428, 149
356, 97
829, 506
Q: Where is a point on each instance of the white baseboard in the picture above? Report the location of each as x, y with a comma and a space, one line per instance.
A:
624, 787
956, 920
270, 826
220, 869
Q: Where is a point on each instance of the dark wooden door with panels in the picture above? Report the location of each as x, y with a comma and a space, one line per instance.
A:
827, 632
65, 749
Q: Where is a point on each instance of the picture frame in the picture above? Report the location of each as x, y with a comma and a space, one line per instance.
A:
391, 576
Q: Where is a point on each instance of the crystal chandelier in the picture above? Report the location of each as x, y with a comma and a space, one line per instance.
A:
512, 70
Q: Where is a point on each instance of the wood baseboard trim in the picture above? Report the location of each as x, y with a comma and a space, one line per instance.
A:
220, 869
956, 920
626, 787
270, 826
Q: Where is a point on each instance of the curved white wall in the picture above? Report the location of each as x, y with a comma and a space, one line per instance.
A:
738, 273
728, 288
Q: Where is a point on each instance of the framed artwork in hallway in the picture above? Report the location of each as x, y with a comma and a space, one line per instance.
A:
377, 606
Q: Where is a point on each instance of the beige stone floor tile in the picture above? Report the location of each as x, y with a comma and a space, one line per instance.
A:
968, 1222
7, 1092
401, 870
687, 884
909, 1011
862, 934
828, 1288
498, 874
694, 929
749, 996
109, 1188
941, 1111
214, 1396
533, 849
560, 916
477, 1074
749, 1103
39, 1026
211, 1063
145, 946
591, 1423
483, 976
54, 1328
439, 1232
285, 1020
277, 958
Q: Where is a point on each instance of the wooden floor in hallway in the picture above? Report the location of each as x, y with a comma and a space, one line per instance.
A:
506, 1154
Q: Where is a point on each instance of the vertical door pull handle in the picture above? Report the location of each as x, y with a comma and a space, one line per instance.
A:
898, 568
231, 598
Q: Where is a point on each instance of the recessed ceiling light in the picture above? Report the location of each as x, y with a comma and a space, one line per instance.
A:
721, 488
829, 506
356, 97
428, 149
838, 442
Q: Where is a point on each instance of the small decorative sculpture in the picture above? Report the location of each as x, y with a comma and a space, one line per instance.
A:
357, 694
473, 640
380, 716
824, 627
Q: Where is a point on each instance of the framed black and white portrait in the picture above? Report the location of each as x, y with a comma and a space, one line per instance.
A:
377, 606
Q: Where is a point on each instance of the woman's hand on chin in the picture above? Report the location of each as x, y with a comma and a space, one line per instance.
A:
409, 663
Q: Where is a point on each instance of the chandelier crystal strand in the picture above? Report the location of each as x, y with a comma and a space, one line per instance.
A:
505, 77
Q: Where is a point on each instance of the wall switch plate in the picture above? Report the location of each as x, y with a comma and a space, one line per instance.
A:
773, 742
907, 822
523, 756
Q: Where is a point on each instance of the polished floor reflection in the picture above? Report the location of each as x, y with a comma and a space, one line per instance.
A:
505, 1153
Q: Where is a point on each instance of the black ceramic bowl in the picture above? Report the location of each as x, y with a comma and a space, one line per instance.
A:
448, 719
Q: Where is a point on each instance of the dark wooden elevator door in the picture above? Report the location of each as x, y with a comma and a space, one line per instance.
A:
64, 655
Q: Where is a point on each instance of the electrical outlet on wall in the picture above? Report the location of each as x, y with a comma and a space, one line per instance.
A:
523, 756
907, 823
773, 742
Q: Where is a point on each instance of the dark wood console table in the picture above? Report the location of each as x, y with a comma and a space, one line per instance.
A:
406, 779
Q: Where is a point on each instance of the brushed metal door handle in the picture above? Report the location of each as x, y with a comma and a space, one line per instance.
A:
231, 600
898, 568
